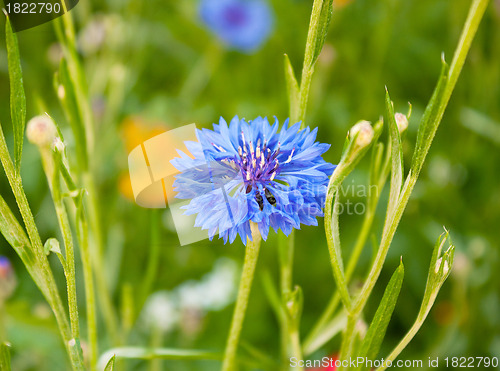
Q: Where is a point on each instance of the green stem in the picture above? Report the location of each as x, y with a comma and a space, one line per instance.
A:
82, 234
48, 287
296, 346
332, 233
251, 256
286, 252
308, 67
403, 343
52, 172
347, 341
70, 267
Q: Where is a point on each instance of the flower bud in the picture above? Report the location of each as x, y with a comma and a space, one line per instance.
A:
364, 132
59, 145
401, 121
446, 266
7, 279
41, 131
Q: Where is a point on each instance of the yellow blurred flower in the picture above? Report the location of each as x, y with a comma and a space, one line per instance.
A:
341, 3
135, 131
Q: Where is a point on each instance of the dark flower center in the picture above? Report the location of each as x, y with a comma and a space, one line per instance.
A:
258, 165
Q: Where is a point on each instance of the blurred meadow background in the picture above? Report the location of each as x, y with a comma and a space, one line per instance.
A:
153, 65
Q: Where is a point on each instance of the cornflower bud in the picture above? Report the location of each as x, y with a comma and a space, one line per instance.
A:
364, 132
401, 121
446, 266
41, 131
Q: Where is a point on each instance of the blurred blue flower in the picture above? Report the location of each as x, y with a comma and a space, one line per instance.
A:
253, 172
7, 279
241, 24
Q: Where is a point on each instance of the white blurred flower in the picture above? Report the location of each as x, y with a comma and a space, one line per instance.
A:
190, 295
215, 291
160, 311
190, 300
92, 36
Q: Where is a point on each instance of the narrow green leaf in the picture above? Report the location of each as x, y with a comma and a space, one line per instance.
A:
16, 237
14, 233
111, 364
376, 331
396, 157
17, 96
323, 25
430, 121
5, 357
292, 88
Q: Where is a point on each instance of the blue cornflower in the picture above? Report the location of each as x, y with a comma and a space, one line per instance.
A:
250, 171
241, 24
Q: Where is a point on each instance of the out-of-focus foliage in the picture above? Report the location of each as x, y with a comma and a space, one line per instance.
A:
154, 60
